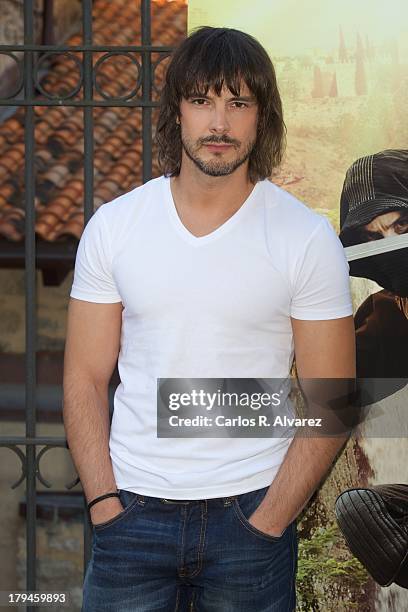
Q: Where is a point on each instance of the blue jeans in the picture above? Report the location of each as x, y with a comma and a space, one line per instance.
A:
200, 555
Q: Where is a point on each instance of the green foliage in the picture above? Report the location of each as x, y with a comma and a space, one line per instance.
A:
327, 573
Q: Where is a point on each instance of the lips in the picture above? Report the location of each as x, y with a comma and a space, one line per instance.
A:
218, 147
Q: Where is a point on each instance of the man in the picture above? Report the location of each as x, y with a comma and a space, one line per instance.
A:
208, 271
374, 199
374, 205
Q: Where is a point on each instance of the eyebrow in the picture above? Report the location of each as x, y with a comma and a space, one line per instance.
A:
243, 99
233, 99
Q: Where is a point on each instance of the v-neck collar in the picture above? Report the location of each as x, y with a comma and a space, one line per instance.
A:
219, 231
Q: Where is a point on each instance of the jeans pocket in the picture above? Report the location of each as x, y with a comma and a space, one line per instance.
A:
244, 505
129, 501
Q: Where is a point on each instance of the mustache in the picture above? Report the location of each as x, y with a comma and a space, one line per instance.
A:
219, 140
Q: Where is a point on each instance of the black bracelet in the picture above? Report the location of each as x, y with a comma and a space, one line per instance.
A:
100, 498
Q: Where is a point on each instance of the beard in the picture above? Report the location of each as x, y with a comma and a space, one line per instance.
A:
217, 166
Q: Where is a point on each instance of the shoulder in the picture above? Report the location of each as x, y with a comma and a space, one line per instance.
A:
121, 218
130, 205
289, 218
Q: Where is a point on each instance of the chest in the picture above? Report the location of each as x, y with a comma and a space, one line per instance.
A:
203, 222
227, 281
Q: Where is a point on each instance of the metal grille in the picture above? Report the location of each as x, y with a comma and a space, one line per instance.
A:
30, 448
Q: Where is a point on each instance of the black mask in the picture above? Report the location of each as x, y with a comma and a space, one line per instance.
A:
389, 270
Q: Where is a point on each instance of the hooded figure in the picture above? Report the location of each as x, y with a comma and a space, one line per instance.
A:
374, 205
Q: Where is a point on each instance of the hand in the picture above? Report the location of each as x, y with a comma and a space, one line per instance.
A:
257, 520
106, 510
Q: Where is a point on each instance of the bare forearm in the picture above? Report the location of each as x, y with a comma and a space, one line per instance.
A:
306, 463
86, 420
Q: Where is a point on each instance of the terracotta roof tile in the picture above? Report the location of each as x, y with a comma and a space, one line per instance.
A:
59, 131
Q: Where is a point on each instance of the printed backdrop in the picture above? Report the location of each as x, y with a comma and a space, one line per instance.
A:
342, 70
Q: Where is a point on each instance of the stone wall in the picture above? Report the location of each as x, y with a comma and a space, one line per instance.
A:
51, 312
59, 542
60, 561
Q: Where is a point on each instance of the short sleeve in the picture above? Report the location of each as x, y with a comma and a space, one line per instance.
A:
93, 280
322, 283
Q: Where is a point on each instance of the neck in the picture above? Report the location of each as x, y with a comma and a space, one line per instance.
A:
199, 190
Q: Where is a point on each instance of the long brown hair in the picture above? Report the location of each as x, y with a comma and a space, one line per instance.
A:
208, 59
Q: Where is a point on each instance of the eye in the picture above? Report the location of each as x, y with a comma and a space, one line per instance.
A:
373, 236
239, 104
401, 226
198, 101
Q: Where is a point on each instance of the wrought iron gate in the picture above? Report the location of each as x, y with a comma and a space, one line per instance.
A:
30, 448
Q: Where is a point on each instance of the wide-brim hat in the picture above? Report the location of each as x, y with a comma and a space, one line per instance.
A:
374, 185
376, 533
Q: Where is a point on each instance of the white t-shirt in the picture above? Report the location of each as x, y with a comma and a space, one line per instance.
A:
216, 306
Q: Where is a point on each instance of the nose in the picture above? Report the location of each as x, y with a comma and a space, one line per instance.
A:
219, 123
390, 231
